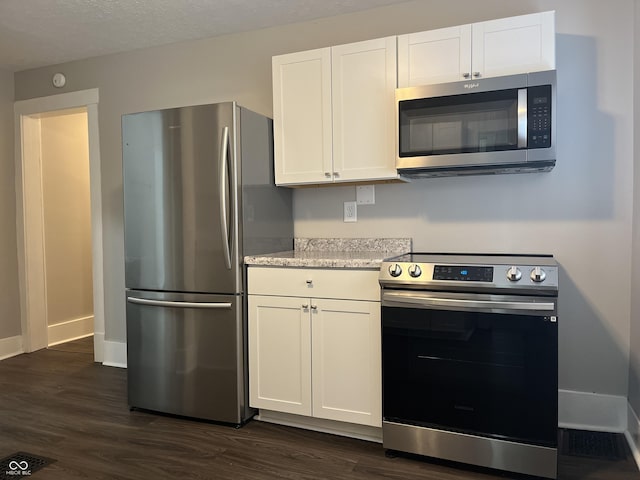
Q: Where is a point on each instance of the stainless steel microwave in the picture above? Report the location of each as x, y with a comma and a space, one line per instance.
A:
493, 125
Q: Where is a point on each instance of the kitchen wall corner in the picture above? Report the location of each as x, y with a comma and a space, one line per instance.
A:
632, 433
9, 296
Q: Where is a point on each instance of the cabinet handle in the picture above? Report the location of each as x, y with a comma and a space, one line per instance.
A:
314, 307
305, 305
466, 75
336, 174
476, 74
309, 281
327, 174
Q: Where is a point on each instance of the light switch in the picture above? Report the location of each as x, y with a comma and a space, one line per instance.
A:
365, 195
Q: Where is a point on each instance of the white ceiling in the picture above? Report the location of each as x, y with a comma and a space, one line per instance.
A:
35, 33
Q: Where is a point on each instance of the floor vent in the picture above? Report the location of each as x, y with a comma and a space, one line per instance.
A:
22, 464
601, 445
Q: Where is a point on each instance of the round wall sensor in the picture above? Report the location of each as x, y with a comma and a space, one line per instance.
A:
59, 80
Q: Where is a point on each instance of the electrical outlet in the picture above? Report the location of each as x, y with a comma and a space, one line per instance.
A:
350, 212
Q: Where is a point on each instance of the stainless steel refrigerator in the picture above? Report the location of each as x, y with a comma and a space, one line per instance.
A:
199, 195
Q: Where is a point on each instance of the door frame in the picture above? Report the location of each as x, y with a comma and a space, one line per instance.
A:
30, 221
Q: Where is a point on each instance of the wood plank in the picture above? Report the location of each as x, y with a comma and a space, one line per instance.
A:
57, 403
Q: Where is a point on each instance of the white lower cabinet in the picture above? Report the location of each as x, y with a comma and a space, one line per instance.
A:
346, 363
279, 354
314, 356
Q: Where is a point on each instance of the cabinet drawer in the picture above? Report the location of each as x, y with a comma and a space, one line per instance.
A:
314, 282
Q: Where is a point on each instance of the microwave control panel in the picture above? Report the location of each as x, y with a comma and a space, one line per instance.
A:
539, 116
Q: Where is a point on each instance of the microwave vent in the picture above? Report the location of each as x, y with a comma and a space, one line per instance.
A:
531, 167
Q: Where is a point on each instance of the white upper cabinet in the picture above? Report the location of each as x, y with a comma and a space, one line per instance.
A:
514, 45
363, 93
434, 56
302, 116
505, 46
334, 114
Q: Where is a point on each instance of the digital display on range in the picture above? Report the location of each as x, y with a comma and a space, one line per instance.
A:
464, 273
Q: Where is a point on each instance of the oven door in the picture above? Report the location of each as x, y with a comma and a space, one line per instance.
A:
478, 364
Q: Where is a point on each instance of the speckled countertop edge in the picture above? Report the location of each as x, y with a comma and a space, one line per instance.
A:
334, 253
352, 244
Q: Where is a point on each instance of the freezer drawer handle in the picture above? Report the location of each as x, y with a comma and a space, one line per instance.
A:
168, 303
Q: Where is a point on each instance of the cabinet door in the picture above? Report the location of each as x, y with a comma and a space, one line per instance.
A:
279, 354
435, 56
302, 117
346, 361
363, 98
514, 45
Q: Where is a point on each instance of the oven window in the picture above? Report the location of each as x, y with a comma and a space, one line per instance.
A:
478, 122
486, 374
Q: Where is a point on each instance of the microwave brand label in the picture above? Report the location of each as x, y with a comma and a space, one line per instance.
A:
470, 86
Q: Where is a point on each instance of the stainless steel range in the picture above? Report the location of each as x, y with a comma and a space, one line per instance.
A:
470, 359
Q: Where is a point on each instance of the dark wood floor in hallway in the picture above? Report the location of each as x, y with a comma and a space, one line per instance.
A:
57, 403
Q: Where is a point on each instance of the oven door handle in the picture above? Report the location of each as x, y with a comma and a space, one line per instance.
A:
414, 299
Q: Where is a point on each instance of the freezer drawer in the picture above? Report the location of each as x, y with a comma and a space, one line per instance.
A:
185, 354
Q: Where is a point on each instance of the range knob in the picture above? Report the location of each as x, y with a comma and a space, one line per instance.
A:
514, 274
415, 271
395, 270
538, 275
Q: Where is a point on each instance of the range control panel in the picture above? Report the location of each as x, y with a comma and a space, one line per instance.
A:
414, 271
463, 273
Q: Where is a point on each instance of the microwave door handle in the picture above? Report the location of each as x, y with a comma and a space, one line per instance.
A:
522, 118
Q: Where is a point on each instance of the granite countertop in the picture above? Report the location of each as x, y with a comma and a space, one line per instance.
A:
334, 253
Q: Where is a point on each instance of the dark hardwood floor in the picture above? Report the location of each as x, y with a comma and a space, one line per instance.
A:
57, 403
84, 345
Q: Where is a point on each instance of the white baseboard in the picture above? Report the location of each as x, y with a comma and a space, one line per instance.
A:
592, 411
362, 432
10, 347
115, 354
633, 433
98, 347
70, 330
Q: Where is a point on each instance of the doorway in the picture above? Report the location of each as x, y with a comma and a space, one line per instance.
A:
66, 201
31, 225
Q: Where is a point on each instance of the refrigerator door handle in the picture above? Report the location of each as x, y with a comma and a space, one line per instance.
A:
168, 303
224, 177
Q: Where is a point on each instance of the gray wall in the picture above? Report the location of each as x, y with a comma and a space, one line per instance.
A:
9, 295
634, 361
581, 211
